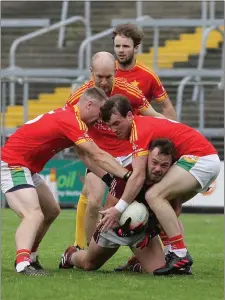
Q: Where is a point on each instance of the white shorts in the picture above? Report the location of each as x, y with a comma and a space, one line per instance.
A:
110, 239
17, 177
204, 168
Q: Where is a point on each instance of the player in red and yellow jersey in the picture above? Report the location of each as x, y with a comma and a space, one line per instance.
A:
197, 166
103, 72
127, 38
100, 132
25, 154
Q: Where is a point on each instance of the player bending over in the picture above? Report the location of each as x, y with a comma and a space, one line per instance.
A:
24, 156
197, 166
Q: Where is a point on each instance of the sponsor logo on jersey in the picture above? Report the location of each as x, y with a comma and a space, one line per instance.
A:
135, 83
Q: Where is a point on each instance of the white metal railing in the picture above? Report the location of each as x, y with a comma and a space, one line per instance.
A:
73, 73
25, 83
37, 33
143, 21
11, 23
210, 132
62, 29
32, 35
64, 14
202, 54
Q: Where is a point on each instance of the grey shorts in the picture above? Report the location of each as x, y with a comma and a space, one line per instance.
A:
16, 176
110, 239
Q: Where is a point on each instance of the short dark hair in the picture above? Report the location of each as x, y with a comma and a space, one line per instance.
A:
115, 104
129, 31
165, 147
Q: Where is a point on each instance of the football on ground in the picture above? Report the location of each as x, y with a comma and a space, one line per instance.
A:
138, 213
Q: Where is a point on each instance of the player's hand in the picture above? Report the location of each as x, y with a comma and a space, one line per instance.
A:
110, 219
127, 230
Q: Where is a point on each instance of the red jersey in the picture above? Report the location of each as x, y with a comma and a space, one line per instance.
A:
101, 133
146, 80
38, 140
187, 140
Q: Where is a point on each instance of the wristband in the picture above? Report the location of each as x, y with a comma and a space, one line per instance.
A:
107, 179
121, 205
127, 175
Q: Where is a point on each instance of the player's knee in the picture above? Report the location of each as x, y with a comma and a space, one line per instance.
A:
151, 197
34, 215
94, 204
51, 215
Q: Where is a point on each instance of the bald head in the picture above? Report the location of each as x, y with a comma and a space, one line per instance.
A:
103, 59
103, 70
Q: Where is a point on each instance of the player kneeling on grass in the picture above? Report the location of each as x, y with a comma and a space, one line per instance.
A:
25, 154
143, 241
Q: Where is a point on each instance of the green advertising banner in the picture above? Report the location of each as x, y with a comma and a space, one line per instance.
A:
65, 178
68, 181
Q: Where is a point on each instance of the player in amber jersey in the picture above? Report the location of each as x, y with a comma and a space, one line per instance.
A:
25, 154
126, 39
197, 166
103, 71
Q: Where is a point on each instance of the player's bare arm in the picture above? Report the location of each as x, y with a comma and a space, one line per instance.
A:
133, 187
149, 111
103, 159
168, 109
84, 156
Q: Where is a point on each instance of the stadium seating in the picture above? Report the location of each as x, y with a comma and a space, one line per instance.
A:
180, 50
39, 53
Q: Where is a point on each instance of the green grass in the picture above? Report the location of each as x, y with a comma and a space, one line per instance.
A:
204, 235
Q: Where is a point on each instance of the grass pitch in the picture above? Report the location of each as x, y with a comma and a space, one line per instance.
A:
204, 236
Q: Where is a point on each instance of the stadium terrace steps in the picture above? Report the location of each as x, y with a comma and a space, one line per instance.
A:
39, 53
100, 20
45, 103
180, 50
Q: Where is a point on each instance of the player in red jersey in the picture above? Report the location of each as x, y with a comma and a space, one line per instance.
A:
103, 71
197, 166
25, 154
127, 39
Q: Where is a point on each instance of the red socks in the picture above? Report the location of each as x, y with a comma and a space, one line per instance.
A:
22, 255
177, 242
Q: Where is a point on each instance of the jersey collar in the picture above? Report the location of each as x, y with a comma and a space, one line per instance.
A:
129, 70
